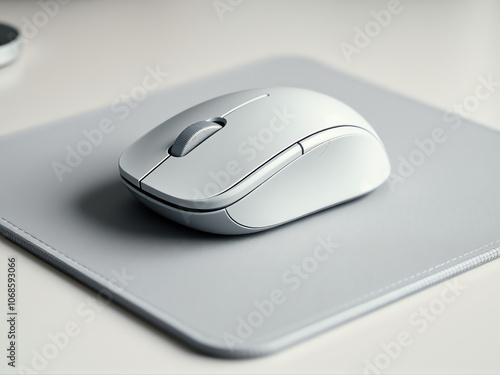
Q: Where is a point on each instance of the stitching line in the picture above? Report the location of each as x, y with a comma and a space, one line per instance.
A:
373, 292
57, 251
345, 304
179, 327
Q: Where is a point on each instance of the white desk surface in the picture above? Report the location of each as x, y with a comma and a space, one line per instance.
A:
84, 55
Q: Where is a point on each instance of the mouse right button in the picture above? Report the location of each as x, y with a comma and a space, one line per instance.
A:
328, 174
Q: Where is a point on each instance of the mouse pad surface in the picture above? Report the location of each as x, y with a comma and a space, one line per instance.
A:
438, 215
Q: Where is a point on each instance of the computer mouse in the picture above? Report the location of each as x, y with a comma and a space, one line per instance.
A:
255, 159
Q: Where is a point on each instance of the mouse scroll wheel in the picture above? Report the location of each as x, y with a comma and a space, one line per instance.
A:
192, 136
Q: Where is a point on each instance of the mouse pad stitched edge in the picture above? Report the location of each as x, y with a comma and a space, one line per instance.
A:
242, 296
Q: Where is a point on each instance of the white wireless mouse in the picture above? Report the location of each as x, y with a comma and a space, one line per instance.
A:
254, 159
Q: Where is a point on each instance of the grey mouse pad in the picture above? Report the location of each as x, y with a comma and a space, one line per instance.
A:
437, 216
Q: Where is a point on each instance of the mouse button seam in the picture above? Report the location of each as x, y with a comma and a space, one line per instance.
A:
301, 147
276, 164
311, 141
152, 170
245, 103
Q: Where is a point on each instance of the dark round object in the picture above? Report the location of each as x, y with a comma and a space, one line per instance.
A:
7, 34
10, 44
